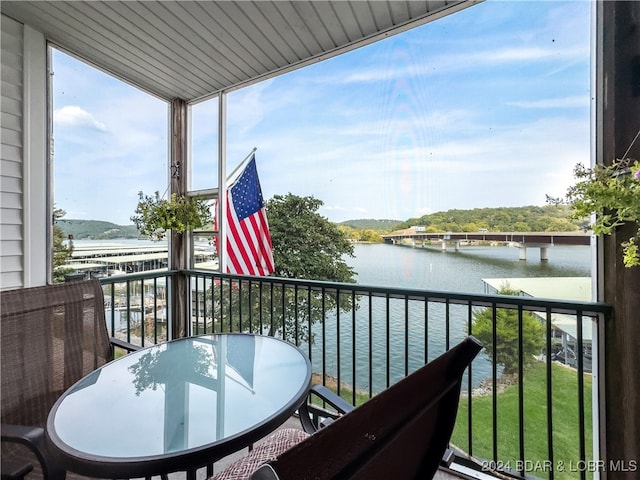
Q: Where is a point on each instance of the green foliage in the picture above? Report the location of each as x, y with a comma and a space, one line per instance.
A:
612, 193
305, 244
566, 429
61, 252
371, 224
363, 235
96, 229
549, 218
155, 215
507, 329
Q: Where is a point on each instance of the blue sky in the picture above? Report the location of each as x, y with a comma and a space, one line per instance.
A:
488, 107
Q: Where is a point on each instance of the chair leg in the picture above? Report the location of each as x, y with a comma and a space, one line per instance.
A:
447, 458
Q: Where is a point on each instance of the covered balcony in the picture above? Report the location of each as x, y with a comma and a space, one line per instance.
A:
332, 322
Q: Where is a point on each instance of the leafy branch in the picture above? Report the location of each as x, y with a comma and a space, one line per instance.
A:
155, 215
612, 193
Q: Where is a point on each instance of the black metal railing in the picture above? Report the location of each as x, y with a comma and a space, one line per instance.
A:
137, 307
362, 339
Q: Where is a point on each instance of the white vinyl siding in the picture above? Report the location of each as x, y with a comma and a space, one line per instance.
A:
23, 162
11, 153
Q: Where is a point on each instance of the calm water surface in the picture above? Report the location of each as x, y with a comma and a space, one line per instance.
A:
426, 269
463, 271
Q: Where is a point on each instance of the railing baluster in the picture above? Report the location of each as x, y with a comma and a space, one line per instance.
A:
521, 388
155, 310
260, 306
426, 329
128, 297
388, 340
338, 338
370, 297
446, 322
142, 311
549, 398
353, 348
470, 386
581, 429
406, 336
295, 315
309, 323
324, 336
494, 382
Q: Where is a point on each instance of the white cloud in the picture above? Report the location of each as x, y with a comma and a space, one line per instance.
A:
73, 116
565, 102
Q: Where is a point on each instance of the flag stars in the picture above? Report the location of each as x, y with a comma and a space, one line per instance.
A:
246, 193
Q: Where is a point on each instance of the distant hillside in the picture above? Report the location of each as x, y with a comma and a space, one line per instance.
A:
96, 229
549, 218
372, 224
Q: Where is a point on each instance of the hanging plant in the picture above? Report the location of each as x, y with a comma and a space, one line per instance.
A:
155, 215
613, 193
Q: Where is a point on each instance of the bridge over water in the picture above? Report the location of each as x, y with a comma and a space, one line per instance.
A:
522, 240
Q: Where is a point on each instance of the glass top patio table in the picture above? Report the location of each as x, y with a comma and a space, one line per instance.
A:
178, 406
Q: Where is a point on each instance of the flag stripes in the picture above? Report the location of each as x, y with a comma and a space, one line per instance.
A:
249, 248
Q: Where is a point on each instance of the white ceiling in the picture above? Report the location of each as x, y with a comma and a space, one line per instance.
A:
193, 49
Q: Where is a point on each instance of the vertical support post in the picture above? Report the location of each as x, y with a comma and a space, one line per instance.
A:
544, 254
222, 182
618, 103
522, 252
178, 247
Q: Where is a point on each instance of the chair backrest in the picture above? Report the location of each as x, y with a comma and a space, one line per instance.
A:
51, 336
402, 432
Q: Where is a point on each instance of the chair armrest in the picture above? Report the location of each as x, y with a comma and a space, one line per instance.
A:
129, 347
22, 434
34, 439
337, 402
265, 472
329, 396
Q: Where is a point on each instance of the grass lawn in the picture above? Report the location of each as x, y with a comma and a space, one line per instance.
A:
565, 437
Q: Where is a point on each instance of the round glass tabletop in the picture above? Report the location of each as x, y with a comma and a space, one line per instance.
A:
182, 395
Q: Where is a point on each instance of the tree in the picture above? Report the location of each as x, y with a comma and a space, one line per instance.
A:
305, 244
507, 332
61, 252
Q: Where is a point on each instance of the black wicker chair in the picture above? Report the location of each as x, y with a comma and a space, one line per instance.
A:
401, 433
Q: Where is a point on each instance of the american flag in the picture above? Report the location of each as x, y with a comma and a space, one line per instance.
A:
249, 248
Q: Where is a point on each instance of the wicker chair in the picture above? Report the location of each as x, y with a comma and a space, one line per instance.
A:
51, 336
401, 433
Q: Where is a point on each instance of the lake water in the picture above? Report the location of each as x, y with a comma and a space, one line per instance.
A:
463, 271
427, 269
